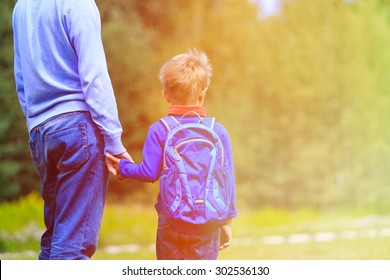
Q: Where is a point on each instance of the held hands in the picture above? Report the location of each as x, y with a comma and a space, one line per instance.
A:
112, 162
226, 235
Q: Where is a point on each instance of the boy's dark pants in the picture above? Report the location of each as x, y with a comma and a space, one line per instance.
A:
173, 245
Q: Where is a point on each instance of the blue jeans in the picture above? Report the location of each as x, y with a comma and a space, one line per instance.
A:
67, 151
173, 245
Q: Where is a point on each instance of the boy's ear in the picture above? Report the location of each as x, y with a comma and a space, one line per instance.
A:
165, 95
203, 94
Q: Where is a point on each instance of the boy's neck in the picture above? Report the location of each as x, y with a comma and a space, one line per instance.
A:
182, 109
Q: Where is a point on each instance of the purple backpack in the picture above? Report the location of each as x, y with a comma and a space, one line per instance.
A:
195, 184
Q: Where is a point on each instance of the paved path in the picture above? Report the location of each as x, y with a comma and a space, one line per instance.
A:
246, 241
276, 239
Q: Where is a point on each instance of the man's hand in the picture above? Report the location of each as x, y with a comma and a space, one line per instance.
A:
112, 162
125, 155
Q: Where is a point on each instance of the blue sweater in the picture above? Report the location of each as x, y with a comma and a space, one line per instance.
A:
60, 65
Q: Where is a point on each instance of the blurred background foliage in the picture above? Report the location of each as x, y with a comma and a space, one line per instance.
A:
304, 94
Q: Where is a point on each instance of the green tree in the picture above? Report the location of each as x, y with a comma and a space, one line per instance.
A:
17, 175
303, 94
320, 79
296, 91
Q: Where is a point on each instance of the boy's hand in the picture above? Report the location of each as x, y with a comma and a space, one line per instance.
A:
113, 163
226, 236
126, 156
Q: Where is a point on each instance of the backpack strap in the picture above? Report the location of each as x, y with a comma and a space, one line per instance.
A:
209, 122
169, 122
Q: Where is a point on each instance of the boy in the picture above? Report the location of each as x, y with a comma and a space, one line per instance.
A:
185, 79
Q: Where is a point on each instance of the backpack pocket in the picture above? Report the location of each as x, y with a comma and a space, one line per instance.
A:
170, 191
219, 195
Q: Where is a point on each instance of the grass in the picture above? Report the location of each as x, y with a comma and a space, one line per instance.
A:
359, 249
123, 224
21, 225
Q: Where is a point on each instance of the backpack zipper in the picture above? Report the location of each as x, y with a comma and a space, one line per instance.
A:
175, 149
193, 140
186, 141
177, 156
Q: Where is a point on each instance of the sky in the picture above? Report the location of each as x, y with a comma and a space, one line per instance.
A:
268, 7
272, 7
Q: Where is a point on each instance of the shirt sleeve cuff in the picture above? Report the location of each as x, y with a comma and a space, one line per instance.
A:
113, 145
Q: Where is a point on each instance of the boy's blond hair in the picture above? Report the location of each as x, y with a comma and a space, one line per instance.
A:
185, 76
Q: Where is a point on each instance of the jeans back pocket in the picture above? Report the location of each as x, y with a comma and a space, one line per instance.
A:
68, 147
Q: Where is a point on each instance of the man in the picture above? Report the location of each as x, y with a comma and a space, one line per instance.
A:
66, 95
